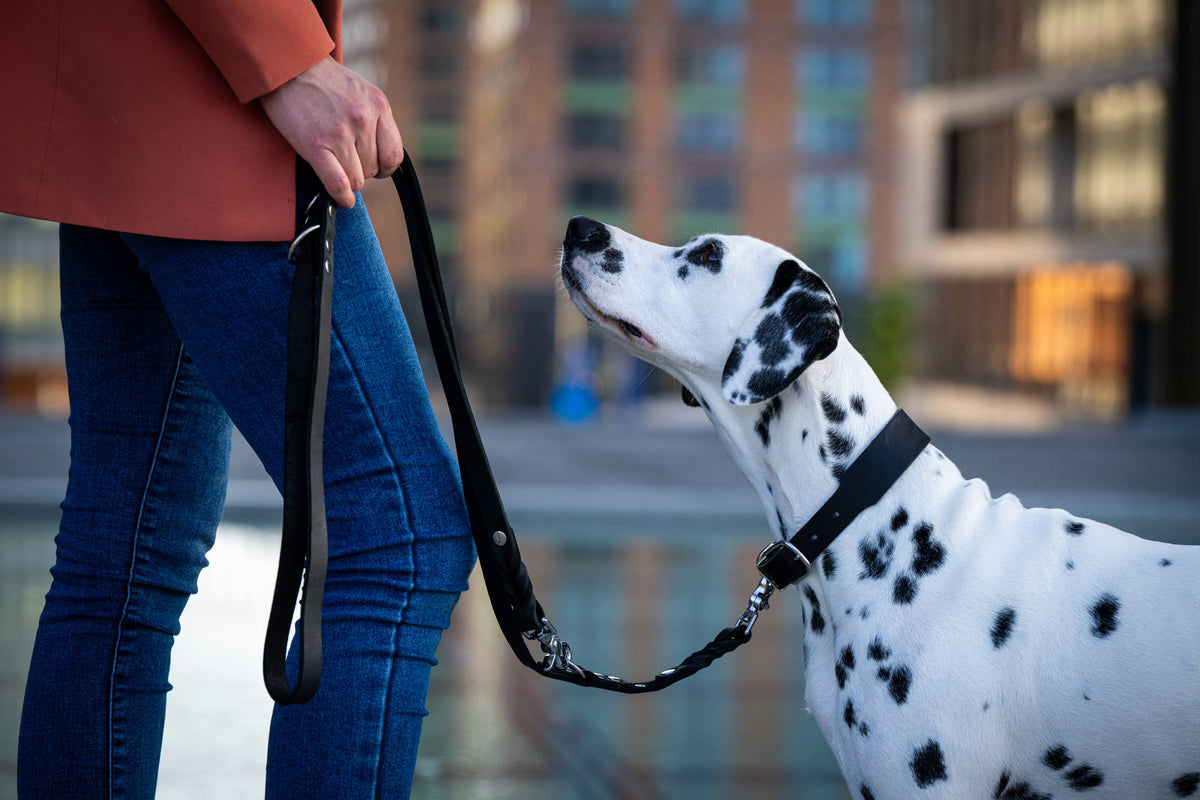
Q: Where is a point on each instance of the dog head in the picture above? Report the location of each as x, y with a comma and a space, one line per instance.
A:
727, 311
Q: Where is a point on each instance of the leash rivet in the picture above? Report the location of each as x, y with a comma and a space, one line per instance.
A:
500, 538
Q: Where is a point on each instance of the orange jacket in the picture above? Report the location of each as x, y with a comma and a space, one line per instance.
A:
139, 115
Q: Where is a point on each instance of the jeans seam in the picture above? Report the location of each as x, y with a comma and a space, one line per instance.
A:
387, 447
133, 559
391, 667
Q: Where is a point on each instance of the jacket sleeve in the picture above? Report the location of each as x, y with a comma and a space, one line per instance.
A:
258, 45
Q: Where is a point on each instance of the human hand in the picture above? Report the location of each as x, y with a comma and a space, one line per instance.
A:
340, 123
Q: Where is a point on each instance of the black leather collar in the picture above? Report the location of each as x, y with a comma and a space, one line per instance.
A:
864, 484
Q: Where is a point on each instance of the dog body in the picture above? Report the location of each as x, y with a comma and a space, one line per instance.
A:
956, 645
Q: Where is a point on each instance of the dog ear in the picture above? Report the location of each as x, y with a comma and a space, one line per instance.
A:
797, 324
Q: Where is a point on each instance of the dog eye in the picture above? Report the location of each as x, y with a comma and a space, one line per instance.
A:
711, 253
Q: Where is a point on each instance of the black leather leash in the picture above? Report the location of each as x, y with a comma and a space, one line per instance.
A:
519, 614
303, 546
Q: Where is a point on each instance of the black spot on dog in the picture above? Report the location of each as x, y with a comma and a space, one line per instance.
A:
865, 792
614, 260
800, 310
1070, 565
770, 337
898, 684
770, 381
678, 253
1002, 626
899, 519
876, 651
734, 362
876, 556
1017, 791
1084, 777
928, 764
818, 621
858, 405
904, 591
708, 254
1166, 562
1104, 616
1056, 757
839, 445
929, 554
769, 414
786, 274
844, 666
833, 412
829, 564
682, 272
848, 714
1074, 528
811, 282
1186, 785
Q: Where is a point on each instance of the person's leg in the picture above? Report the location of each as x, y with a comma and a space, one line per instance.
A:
149, 456
399, 542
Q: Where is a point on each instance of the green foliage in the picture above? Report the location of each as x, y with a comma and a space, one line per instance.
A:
883, 332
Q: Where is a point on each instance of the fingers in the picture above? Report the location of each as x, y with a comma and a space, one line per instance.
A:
389, 145
333, 177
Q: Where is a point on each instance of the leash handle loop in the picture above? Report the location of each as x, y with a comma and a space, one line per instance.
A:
304, 545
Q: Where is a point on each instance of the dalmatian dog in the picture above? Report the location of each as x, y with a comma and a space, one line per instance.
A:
957, 645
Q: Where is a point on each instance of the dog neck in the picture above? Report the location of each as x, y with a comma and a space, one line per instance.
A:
794, 447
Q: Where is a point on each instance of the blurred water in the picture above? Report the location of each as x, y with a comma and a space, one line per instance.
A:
631, 598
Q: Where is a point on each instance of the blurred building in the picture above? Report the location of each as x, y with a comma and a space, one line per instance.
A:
668, 117
1034, 172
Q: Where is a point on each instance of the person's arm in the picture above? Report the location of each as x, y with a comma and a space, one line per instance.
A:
277, 52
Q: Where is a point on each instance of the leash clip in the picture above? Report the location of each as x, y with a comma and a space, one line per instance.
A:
557, 652
757, 604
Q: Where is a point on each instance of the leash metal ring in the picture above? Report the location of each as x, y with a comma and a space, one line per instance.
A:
299, 238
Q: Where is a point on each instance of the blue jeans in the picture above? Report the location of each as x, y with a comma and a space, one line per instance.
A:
167, 341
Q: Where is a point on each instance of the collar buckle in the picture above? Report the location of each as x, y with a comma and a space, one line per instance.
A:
782, 564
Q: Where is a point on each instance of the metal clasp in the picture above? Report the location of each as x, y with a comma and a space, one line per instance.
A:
757, 604
782, 563
557, 652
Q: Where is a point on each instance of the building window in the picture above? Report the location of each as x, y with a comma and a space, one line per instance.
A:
596, 131
707, 99
599, 63
600, 8
596, 193
835, 69
832, 209
834, 13
830, 132
599, 80
1119, 158
715, 132
710, 10
714, 67
707, 194
704, 204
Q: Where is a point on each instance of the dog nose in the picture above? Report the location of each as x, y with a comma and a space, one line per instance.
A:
582, 230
